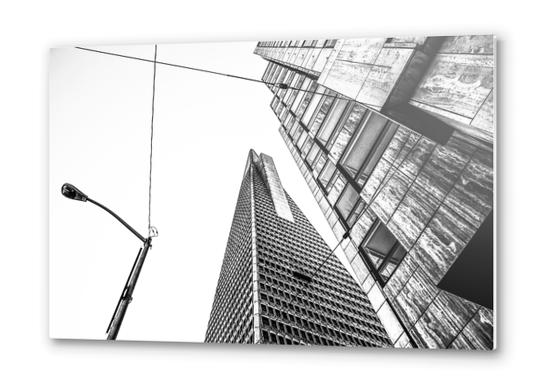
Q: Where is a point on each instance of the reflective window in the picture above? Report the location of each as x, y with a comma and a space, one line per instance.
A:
312, 154
335, 187
319, 116
347, 201
326, 174
282, 75
306, 99
297, 83
384, 251
312, 105
343, 135
332, 120
301, 94
302, 138
377, 153
297, 132
321, 160
288, 120
366, 149
289, 78
355, 214
306, 146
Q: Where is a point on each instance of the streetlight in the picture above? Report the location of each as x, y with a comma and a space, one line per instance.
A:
73, 193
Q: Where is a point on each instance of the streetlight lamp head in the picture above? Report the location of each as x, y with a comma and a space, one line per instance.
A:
73, 193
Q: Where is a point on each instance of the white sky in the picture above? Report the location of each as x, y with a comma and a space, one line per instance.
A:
100, 108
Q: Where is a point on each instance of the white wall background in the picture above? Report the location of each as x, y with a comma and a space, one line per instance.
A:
28, 31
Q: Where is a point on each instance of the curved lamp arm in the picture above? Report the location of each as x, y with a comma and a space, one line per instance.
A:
71, 192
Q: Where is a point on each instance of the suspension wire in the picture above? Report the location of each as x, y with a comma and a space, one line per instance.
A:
313, 274
344, 237
152, 230
280, 85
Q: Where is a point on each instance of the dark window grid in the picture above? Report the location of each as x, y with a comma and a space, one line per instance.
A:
322, 296
337, 271
309, 261
299, 236
306, 258
329, 315
321, 287
286, 266
332, 329
324, 283
301, 338
269, 337
281, 321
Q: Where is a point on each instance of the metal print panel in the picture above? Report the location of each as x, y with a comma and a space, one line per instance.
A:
332, 192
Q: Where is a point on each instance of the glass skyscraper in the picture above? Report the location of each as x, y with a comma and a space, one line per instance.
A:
394, 137
277, 284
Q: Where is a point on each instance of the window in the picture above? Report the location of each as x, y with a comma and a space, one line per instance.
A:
297, 132
301, 139
355, 214
312, 154
335, 188
347, 201
306, 99
288, 121
320, 114
330, 43
326, 174
312, 105
294, 127
301, 94
342, 135
306, 146
367, 147
320, 162
332, 120
377, 153
383, 250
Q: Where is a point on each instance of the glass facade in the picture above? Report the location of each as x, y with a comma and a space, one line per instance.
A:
408, 199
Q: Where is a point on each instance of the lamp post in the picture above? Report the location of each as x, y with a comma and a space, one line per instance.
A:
71, 192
